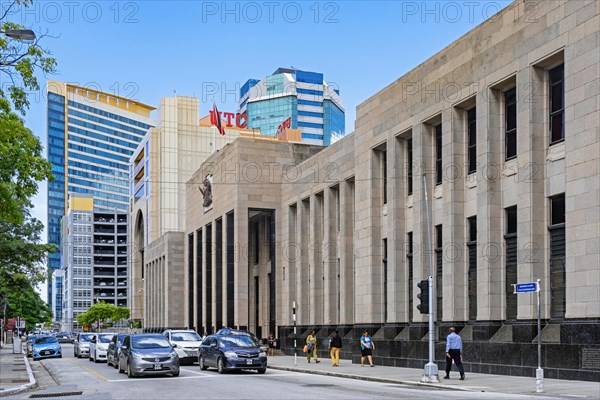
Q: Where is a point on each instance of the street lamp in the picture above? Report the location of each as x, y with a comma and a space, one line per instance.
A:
24, 35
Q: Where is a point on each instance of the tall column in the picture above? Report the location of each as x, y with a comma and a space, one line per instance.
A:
315, 260
241, 267
330, 256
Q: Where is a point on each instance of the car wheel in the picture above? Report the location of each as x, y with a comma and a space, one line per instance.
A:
119, 366
175, 374
90, 357
220, 365
35, 359
129, 371
202, 364
261, 370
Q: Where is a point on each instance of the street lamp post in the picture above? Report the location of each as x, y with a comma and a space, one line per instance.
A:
23, 35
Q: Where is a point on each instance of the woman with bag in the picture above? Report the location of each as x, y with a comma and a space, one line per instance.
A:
366, 349
311, 347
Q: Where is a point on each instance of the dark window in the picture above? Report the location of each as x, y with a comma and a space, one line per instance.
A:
510, 239
438, 263
557, 257
190, 280
438, 154
209, 301
472, 221
511, 220
199, 288
472, 248
385, 278
257, 307
384, 174
472, 139
409, 256
510, 124
256, 231
557, 210
557, 104
272, 275
219, 273
409, 169
230, 269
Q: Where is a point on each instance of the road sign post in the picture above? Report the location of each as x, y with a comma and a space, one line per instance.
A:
528, 288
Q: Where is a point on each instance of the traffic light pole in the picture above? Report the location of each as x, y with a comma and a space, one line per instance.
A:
430, 372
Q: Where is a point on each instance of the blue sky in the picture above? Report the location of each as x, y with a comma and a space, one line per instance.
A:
152, 49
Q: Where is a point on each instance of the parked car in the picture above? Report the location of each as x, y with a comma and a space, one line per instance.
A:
30, 340
114, 347
46, 347
99, 345
229, 331
148, 354
186, 344
81, 344
64, 337
232, 352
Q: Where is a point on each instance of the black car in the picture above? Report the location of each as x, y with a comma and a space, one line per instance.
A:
64, 337
112, 353
237, 351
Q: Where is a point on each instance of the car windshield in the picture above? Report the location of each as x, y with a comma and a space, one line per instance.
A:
237, 341
149, 342
46, 339
185, 337
85, 337
105, 338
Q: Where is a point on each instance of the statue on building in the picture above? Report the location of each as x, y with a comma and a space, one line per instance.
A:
206, 190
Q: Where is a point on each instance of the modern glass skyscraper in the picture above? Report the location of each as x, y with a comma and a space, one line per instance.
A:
91, 135
313, 105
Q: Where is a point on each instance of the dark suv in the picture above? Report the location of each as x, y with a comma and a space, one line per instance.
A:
232, 350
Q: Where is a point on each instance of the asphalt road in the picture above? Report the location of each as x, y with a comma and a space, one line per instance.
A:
98, 381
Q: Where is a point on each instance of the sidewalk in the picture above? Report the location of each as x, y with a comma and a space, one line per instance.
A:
473, 382
15, 372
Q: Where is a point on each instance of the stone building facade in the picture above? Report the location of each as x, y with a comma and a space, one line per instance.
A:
498, 136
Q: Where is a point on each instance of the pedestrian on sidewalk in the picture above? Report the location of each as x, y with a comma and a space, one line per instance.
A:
454, 353
366, 349
272, 344
335, 345
311, 343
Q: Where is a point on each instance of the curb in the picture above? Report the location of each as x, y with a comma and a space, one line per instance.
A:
17, 389
375, 379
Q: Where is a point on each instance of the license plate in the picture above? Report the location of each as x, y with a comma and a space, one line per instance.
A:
158, 366
45, 352
248, 361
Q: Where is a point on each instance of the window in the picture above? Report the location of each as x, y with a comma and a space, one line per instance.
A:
510, 239
384, 175
438, 154
409, 256
510, 124
409, 169
557, 104
438, 262
385, 279
472, 249
472, 140
557, 256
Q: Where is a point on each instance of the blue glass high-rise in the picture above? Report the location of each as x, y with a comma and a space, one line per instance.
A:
91, 135
313, 105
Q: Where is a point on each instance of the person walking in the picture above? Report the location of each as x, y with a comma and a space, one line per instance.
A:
311, 343
366, 349
272, 344
454, 353
335, 345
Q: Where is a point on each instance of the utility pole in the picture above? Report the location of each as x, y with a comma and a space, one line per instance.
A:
430, 372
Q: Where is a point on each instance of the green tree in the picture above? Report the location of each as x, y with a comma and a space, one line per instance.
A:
19, 61
23, 300
120, 313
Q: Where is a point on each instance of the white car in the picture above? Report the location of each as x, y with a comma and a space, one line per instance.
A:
186, 344
99, 345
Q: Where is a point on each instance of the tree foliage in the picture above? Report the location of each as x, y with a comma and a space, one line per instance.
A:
19, 61
23, 301
102, 312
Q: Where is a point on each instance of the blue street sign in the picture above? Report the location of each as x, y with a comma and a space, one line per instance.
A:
526, 287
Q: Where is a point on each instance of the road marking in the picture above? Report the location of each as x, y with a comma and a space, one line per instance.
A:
89, 370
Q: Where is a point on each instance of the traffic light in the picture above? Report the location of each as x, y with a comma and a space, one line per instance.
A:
423, 296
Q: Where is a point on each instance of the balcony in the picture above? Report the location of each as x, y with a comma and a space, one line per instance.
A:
103, 260
107, 272
104, 250
108, 230
104, 239
102, 283
104, 218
